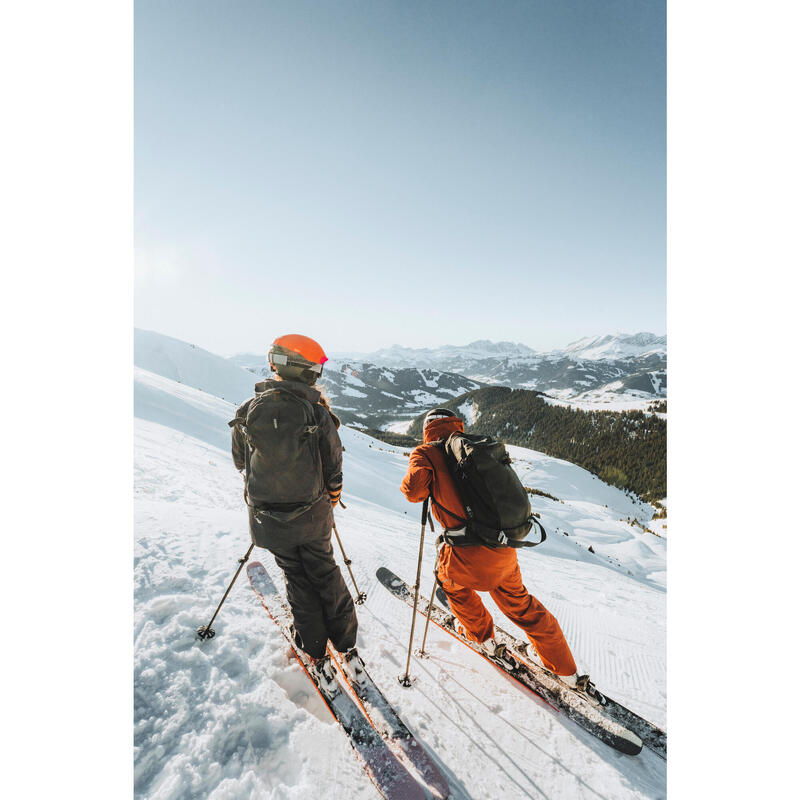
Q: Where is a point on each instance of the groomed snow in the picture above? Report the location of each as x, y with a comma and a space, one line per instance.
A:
234, 717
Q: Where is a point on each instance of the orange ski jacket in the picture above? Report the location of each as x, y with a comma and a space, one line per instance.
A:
428, 474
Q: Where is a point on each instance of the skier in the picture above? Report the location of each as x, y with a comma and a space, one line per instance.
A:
285, 442
466, 568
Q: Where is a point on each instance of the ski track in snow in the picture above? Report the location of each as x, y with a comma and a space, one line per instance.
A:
235, 717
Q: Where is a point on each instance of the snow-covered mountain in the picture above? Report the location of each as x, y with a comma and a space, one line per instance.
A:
370, 396
399, 356
235, 718
616, 347
631, 365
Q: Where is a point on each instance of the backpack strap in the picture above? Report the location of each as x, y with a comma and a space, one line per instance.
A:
313, 426
311, 429
239, 424
450, 539
524, 543
449, 512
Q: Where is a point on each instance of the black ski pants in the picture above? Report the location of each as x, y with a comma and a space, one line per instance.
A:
321, 605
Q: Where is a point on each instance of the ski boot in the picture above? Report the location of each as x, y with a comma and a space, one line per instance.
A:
324, 673
497, 651
354, 667
583, 685
528, 653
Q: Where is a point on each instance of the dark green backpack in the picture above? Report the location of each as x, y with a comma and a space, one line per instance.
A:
497, 505
283, 463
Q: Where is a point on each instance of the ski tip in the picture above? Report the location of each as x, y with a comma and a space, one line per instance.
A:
260, 579
388, 578
627, 742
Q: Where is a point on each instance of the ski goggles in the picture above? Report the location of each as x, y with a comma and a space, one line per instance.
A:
284, 361
437, 413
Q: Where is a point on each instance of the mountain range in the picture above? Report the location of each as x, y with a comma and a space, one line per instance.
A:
591, 368
389, 388
371, 396
619, 346
618, 370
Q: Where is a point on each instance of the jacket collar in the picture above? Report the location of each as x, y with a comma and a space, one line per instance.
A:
296, 387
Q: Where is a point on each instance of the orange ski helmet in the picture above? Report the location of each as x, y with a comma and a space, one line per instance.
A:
297, 357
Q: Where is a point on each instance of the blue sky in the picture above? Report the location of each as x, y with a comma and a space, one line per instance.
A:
422, 173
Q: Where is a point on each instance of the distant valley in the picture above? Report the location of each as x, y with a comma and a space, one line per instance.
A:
386, 389
372, 397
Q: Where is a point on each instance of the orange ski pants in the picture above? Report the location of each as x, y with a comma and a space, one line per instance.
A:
464, 570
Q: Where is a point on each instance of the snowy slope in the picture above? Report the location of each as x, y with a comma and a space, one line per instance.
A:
235, 718
185, 363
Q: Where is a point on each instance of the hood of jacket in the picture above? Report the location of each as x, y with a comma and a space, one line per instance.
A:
441, 428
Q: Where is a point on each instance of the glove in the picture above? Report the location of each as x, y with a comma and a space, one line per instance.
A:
335, 494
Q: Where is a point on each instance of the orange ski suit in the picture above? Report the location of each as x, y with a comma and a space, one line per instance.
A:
463, 570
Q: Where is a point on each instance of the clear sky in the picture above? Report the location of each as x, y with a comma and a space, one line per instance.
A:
423, 173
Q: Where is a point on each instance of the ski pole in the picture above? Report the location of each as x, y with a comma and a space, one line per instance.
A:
361, 597
206, 631
405, 680
421, 652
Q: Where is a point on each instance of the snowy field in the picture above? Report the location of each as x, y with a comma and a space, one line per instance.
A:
399, 426
235, 717
605, 400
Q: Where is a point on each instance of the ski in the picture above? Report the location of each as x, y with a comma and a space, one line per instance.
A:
395, 732
389, 776
652, 736
538, 680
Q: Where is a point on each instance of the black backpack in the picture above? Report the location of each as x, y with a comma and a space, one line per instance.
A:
283, 466
497, 505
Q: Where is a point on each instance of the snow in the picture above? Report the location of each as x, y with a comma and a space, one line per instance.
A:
183, 409
352, 378
192, 366
616, 346
400, 426
469, 411
602, 400
419, 397
657, 382
350, 392
233, 717
399, 357
590, 348
431, 383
